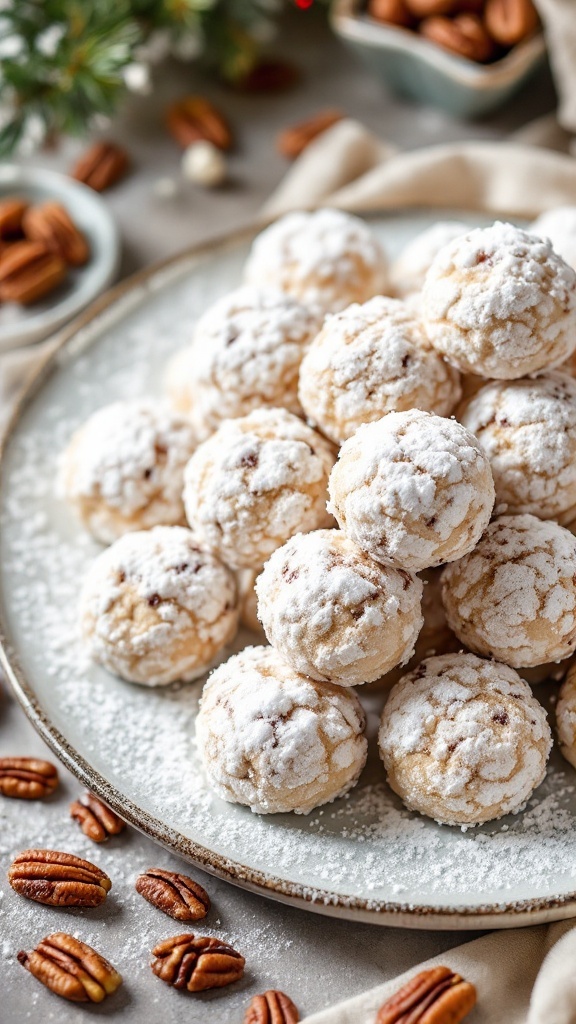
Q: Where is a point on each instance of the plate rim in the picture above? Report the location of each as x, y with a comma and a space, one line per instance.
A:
322, 901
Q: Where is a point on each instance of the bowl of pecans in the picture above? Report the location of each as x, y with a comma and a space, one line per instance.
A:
464, 56
59, 248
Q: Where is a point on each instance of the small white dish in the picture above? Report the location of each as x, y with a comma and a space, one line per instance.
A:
22, 325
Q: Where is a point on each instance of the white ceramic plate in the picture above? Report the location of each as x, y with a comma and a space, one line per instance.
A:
363, 857
21, 325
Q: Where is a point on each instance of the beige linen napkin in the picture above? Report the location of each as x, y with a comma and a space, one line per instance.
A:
559, 20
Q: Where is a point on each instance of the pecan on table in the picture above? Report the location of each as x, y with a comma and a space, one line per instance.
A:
435, 996
58, 879
294, 140
101, 166
51, 223
196, 962
27, 778
71, 969
28, 271
177, 895
195, 119
271, 1007
12, 211
96, 820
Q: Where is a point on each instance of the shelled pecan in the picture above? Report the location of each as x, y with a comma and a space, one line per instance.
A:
435, 996
27, 778
394, 12
102, 165
465, 35
177, 895
51, 224
12, 211
510, 21
28, 271
271, 1007
96, 820
427, 8
293, 140
196, 963
193, 119
58, 879
71, 969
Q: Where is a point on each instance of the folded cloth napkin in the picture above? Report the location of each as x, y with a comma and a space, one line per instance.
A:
559, 21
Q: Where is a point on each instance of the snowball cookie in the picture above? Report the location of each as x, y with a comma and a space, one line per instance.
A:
412, 489
527, 428
157, 606
559, 226
326, 259
256, 482
370, 360
246, 353
514, 597
248, 603
276, 741
334, 613
463, 740
410, 268
500, 303
124, 468
566, 717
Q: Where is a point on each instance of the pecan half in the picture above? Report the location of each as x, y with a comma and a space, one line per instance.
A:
271, 1007
28, 271
426, 8
393, 12
177, 895
51, 223
96, 820
436, 996
101, 166
293, 140
510, 21
195, 119
11, 212
465, 35
58, 879
27, 778
197, 962
71, 969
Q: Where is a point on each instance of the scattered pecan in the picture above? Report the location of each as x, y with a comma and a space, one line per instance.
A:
96, 820
58, 879
71, 969
510, 21
197, 962
465, 35
101, 166
268, 76
12, 211
435, 996
394, 12
27, 778
293, 140
177, 895
28, 271
193, 119
51, 224
272, 1007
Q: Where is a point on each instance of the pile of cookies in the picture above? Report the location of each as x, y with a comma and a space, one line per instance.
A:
385, 485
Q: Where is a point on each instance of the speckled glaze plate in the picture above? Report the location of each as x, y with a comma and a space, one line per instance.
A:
363, 857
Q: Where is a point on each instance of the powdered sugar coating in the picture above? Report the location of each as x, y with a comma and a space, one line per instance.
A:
514, 597
559, 225
369, 360
276, 741
410, 268
333, 613
245, 355
256, 482
566, 717
463, 740
124, 468
412, 489
500, 303
527, 428
326, 259
156, 606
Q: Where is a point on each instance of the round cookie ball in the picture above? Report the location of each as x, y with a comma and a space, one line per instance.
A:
410, 268
370, 360
256, 482
248, 601
412, 489
559, 226
566, 717
245, 355
514, 597
276, 741
527, 428
463, 740
325, 259
124, 468
333, 613
156, 606
500, 303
